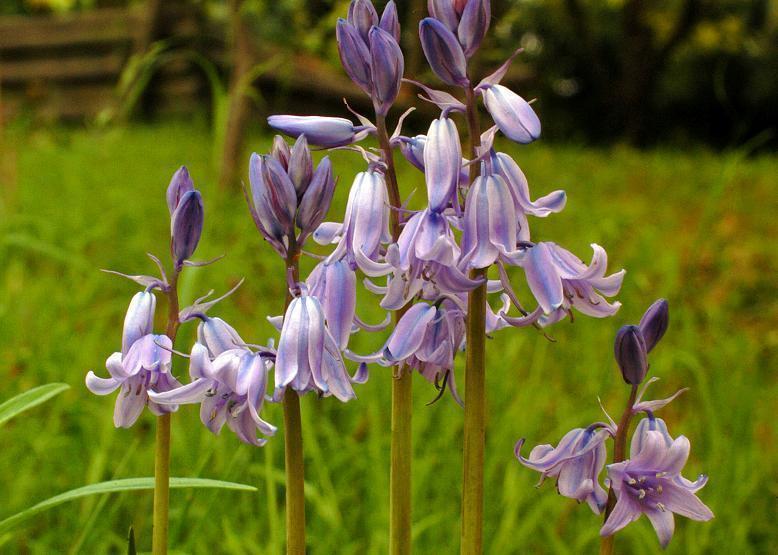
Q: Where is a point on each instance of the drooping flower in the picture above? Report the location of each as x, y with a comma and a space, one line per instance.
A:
559, 282
144, 368
576, 463
650, 483
308, 357
513, 115
442, 163
230, 389
510, 171
334, 284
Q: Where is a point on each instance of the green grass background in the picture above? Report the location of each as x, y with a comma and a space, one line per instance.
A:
696, 227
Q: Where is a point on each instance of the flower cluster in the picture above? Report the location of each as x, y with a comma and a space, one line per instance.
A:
423, 264
228, 378
649, 481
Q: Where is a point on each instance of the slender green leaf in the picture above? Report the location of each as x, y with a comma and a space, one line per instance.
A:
29, 399
112, 486
131, 543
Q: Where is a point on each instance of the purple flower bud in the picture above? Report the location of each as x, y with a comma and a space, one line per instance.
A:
186, 225
335, 285
273, 197
300, 168
442, 162
321, 131
408, 335
387, 66
447, 12
412, 149
363, 16
473, 25
180, 184
630, 351
512, 114
354, 55
443, 51
280, 151
139, 320
317, 198
389, 20
654, 322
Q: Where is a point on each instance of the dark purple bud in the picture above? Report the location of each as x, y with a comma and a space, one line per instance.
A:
180, 184
300, 167
186, 225
317, 198
473, 25
630, 351
273, 197
443, 51
389, 20
445, 12
654, 322
387, 66
354, 55
280, 151
362, 15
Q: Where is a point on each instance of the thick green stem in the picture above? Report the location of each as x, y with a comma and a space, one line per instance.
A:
619, 454
293, 442
159, 529
475, 375
402, 391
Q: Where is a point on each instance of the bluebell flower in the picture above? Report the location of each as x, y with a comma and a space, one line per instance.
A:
334, 284
443, 52
509, 170
230, 389
144, 368
576, 463
468, 19
650, 483
386, 69
442, 163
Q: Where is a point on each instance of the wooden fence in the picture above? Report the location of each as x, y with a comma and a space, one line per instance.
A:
66, 67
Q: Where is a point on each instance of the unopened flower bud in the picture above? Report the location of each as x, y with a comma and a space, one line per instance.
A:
180, 184
280, 151
273, 197
654, 322
139, 320
389, 20
473, 25
443, 52
317, 198
363, 16
300, 168
387, 66
512, 114
186, 225
354, 55
319, 130
630, 351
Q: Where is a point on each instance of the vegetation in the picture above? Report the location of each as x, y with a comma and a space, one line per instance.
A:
693, 227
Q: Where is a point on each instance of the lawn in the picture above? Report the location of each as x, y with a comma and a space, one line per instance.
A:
695, 227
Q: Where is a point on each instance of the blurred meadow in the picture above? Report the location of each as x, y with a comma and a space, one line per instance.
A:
696, 227
659, 120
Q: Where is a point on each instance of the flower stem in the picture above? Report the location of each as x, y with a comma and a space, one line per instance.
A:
475, 393
619, 454
293, 441
402, 391
159, 530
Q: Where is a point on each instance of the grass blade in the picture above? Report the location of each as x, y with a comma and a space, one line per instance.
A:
29, 399
113, 486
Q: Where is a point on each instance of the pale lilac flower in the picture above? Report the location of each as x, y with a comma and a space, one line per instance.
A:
492, 229
442, 163
334, 284
308, 357
322, 131
512, 114
230, 389
217, 336
510, 171
650, 483
560, 282
365, 225
443, 52
139, 319
144, 368
576, 463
